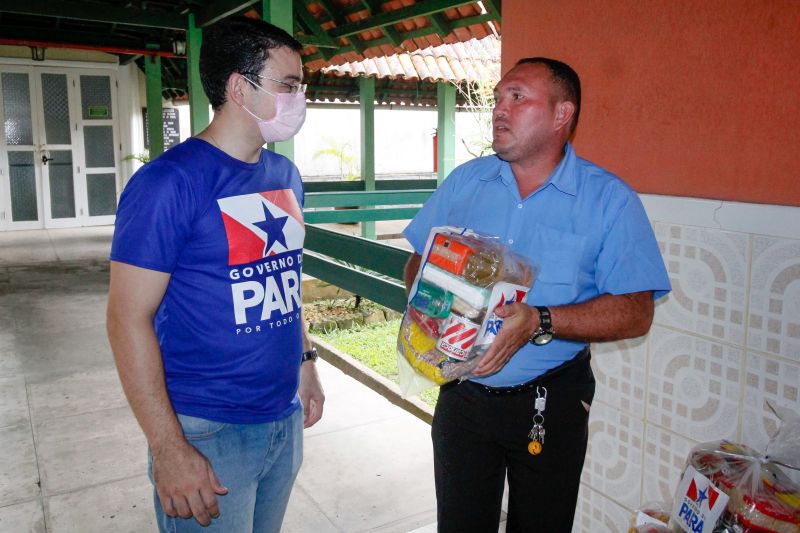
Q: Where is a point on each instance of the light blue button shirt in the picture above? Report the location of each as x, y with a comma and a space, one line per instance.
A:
584, 229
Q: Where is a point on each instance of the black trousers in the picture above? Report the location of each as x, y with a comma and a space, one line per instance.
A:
479, 437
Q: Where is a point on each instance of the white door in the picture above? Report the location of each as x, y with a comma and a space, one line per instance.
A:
98, 172
58, 137
61, 151
20, 177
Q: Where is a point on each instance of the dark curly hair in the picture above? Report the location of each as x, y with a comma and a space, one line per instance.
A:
565, 79
237, 44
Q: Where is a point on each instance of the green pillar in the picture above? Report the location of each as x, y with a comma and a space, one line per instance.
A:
366, 89
198, 101
446, 133
155, 120
279, 13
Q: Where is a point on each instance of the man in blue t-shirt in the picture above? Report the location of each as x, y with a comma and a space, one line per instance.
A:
599, 272
204, 309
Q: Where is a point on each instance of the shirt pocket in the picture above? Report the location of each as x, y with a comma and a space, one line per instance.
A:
560, 255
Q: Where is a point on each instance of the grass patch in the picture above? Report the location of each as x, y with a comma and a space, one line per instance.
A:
376, 347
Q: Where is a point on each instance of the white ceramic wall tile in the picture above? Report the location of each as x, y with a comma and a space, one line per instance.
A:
596, 513
665, 455
620, 371
708, 271
614, 458
772, 380
774, 322
694, 385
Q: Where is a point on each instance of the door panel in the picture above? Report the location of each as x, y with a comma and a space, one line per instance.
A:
98, 142
22, 177
20, 188
96, 102
62, 184
18, 121
102, 192
55, 103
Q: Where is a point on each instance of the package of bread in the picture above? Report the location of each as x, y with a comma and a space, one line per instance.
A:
759, 496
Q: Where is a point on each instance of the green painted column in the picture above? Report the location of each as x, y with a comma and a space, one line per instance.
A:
446, 133
366, 89
198, 101
279, 13
155, 120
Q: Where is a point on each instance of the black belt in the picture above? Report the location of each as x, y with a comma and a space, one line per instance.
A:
583, 355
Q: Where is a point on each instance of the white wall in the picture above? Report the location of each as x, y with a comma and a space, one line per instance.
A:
725, 341
130, 105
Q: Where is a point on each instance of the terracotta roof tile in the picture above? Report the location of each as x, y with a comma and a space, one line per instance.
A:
458, 62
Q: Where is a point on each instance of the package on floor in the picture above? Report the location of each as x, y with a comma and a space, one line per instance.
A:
732, 488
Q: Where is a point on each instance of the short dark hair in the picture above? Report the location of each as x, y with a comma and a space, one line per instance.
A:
564, 78
237, 44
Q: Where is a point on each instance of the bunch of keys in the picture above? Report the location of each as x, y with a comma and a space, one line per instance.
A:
537, 431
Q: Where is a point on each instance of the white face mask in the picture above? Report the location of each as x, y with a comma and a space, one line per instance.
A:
290, 113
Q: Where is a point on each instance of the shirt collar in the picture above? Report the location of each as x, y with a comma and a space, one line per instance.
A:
562, 178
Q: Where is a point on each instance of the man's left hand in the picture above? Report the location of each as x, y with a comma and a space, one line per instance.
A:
519, 323
311, 394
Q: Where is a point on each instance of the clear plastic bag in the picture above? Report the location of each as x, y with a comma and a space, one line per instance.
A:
651, 517
449, 322
761, 498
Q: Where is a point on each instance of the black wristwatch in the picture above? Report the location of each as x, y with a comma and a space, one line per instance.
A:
310, 355
544, 333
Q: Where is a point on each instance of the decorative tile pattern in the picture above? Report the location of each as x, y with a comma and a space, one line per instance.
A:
665, 455
620, 369
614, 458
767, 379
774, 321
596, 513
693, 386
708, 271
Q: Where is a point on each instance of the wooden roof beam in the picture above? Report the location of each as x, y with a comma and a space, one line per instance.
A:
95, 12
388, 18
220, 9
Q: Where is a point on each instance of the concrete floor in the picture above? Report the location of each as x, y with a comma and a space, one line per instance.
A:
74, 459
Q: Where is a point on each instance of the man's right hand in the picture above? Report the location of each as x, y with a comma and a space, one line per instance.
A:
186, 484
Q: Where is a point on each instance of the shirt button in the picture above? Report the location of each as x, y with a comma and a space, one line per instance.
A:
519, 206
510, 241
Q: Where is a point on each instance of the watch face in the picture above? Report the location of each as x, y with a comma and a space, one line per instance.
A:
542, 338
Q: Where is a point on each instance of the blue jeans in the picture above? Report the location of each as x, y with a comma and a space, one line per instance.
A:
258, 463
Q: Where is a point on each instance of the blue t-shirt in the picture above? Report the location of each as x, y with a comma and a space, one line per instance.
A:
584, 228
230, 234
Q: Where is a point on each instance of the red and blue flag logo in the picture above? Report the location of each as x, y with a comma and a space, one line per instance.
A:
262, 224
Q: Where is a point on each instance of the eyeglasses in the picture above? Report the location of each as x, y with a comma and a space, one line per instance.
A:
294, 88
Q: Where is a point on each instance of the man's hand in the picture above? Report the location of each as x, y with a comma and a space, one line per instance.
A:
311, 394
186, 483
519, 323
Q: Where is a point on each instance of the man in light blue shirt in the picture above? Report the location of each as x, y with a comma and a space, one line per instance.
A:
600, 271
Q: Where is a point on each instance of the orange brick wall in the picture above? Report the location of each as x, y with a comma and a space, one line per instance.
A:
696, 98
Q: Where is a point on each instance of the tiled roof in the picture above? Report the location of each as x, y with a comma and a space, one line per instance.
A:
414, 27
409, 78
470, 61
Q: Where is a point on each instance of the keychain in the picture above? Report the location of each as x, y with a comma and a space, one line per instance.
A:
537, 431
